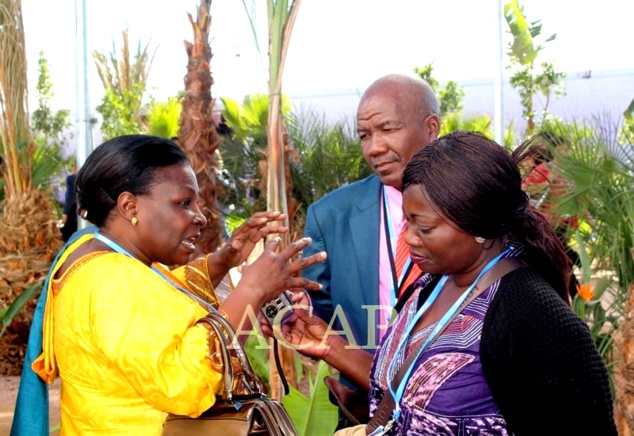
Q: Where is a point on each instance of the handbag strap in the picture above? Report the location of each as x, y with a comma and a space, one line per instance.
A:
229, 342
384, 411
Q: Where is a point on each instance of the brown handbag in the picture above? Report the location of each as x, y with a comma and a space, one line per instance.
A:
250, 412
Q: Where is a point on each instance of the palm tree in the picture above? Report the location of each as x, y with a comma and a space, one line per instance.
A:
328, 156
29, 237
197, 135
600, 172
324, 157
624, 372
281, 15
244, 151
281, 18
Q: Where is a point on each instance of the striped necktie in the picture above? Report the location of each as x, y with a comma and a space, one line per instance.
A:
400, 261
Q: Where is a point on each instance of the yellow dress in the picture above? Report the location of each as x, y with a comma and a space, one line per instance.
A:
126, 346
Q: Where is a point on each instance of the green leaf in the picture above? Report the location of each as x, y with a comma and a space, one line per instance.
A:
599, 288
583, 257
163, 118
258, 357
522, 48
579, 306
596, 329
551, 37
314, 416
599, 314
9, 312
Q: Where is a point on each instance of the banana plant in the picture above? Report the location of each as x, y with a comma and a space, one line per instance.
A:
314, 414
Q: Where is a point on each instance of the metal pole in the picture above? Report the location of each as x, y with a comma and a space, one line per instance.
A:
83, 133
498, 83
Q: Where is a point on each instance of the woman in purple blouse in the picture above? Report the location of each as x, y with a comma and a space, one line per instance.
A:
508, 357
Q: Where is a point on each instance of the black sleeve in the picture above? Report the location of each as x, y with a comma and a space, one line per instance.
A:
69, 199
541, 362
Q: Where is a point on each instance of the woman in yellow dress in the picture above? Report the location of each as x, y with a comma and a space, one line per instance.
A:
120, 328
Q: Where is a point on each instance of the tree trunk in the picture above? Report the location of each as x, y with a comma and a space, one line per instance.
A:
197, 135
624, 371
29, 240
29, 237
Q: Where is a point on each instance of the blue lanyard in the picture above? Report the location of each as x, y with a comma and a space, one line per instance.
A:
119, 249
439, 326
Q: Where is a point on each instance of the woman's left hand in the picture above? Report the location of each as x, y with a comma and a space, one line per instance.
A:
301, 331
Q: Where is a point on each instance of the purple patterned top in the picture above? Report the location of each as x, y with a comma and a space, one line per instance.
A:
446, 393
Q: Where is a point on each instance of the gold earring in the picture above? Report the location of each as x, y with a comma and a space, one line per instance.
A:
134, 221
479, 239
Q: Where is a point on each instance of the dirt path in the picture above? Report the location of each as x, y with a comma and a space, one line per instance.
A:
8, 395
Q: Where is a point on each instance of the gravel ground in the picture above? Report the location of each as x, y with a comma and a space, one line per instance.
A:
8, 394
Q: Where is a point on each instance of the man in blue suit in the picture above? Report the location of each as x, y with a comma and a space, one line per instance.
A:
396, 117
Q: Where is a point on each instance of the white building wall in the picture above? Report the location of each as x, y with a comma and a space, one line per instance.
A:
588, 94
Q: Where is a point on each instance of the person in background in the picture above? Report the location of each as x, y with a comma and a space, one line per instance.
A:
509, 357
68, 219
546, 186
360, 225
120, 329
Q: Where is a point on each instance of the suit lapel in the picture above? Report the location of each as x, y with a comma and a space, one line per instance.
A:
364, 228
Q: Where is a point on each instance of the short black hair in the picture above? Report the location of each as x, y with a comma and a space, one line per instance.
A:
125, 163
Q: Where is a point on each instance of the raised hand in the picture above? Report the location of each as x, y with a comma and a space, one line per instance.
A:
272, 272
242, 241
268, 276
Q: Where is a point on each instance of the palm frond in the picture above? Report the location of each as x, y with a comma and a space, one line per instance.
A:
600, 173
455, 121
162, 118
330, 156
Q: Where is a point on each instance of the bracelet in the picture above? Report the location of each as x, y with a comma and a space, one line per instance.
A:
222, 313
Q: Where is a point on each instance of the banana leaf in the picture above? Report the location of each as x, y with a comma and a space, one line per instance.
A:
314, 415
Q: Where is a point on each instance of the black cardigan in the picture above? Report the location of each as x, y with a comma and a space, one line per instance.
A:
540, 361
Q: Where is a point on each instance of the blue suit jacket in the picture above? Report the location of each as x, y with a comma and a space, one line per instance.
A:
345, 224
